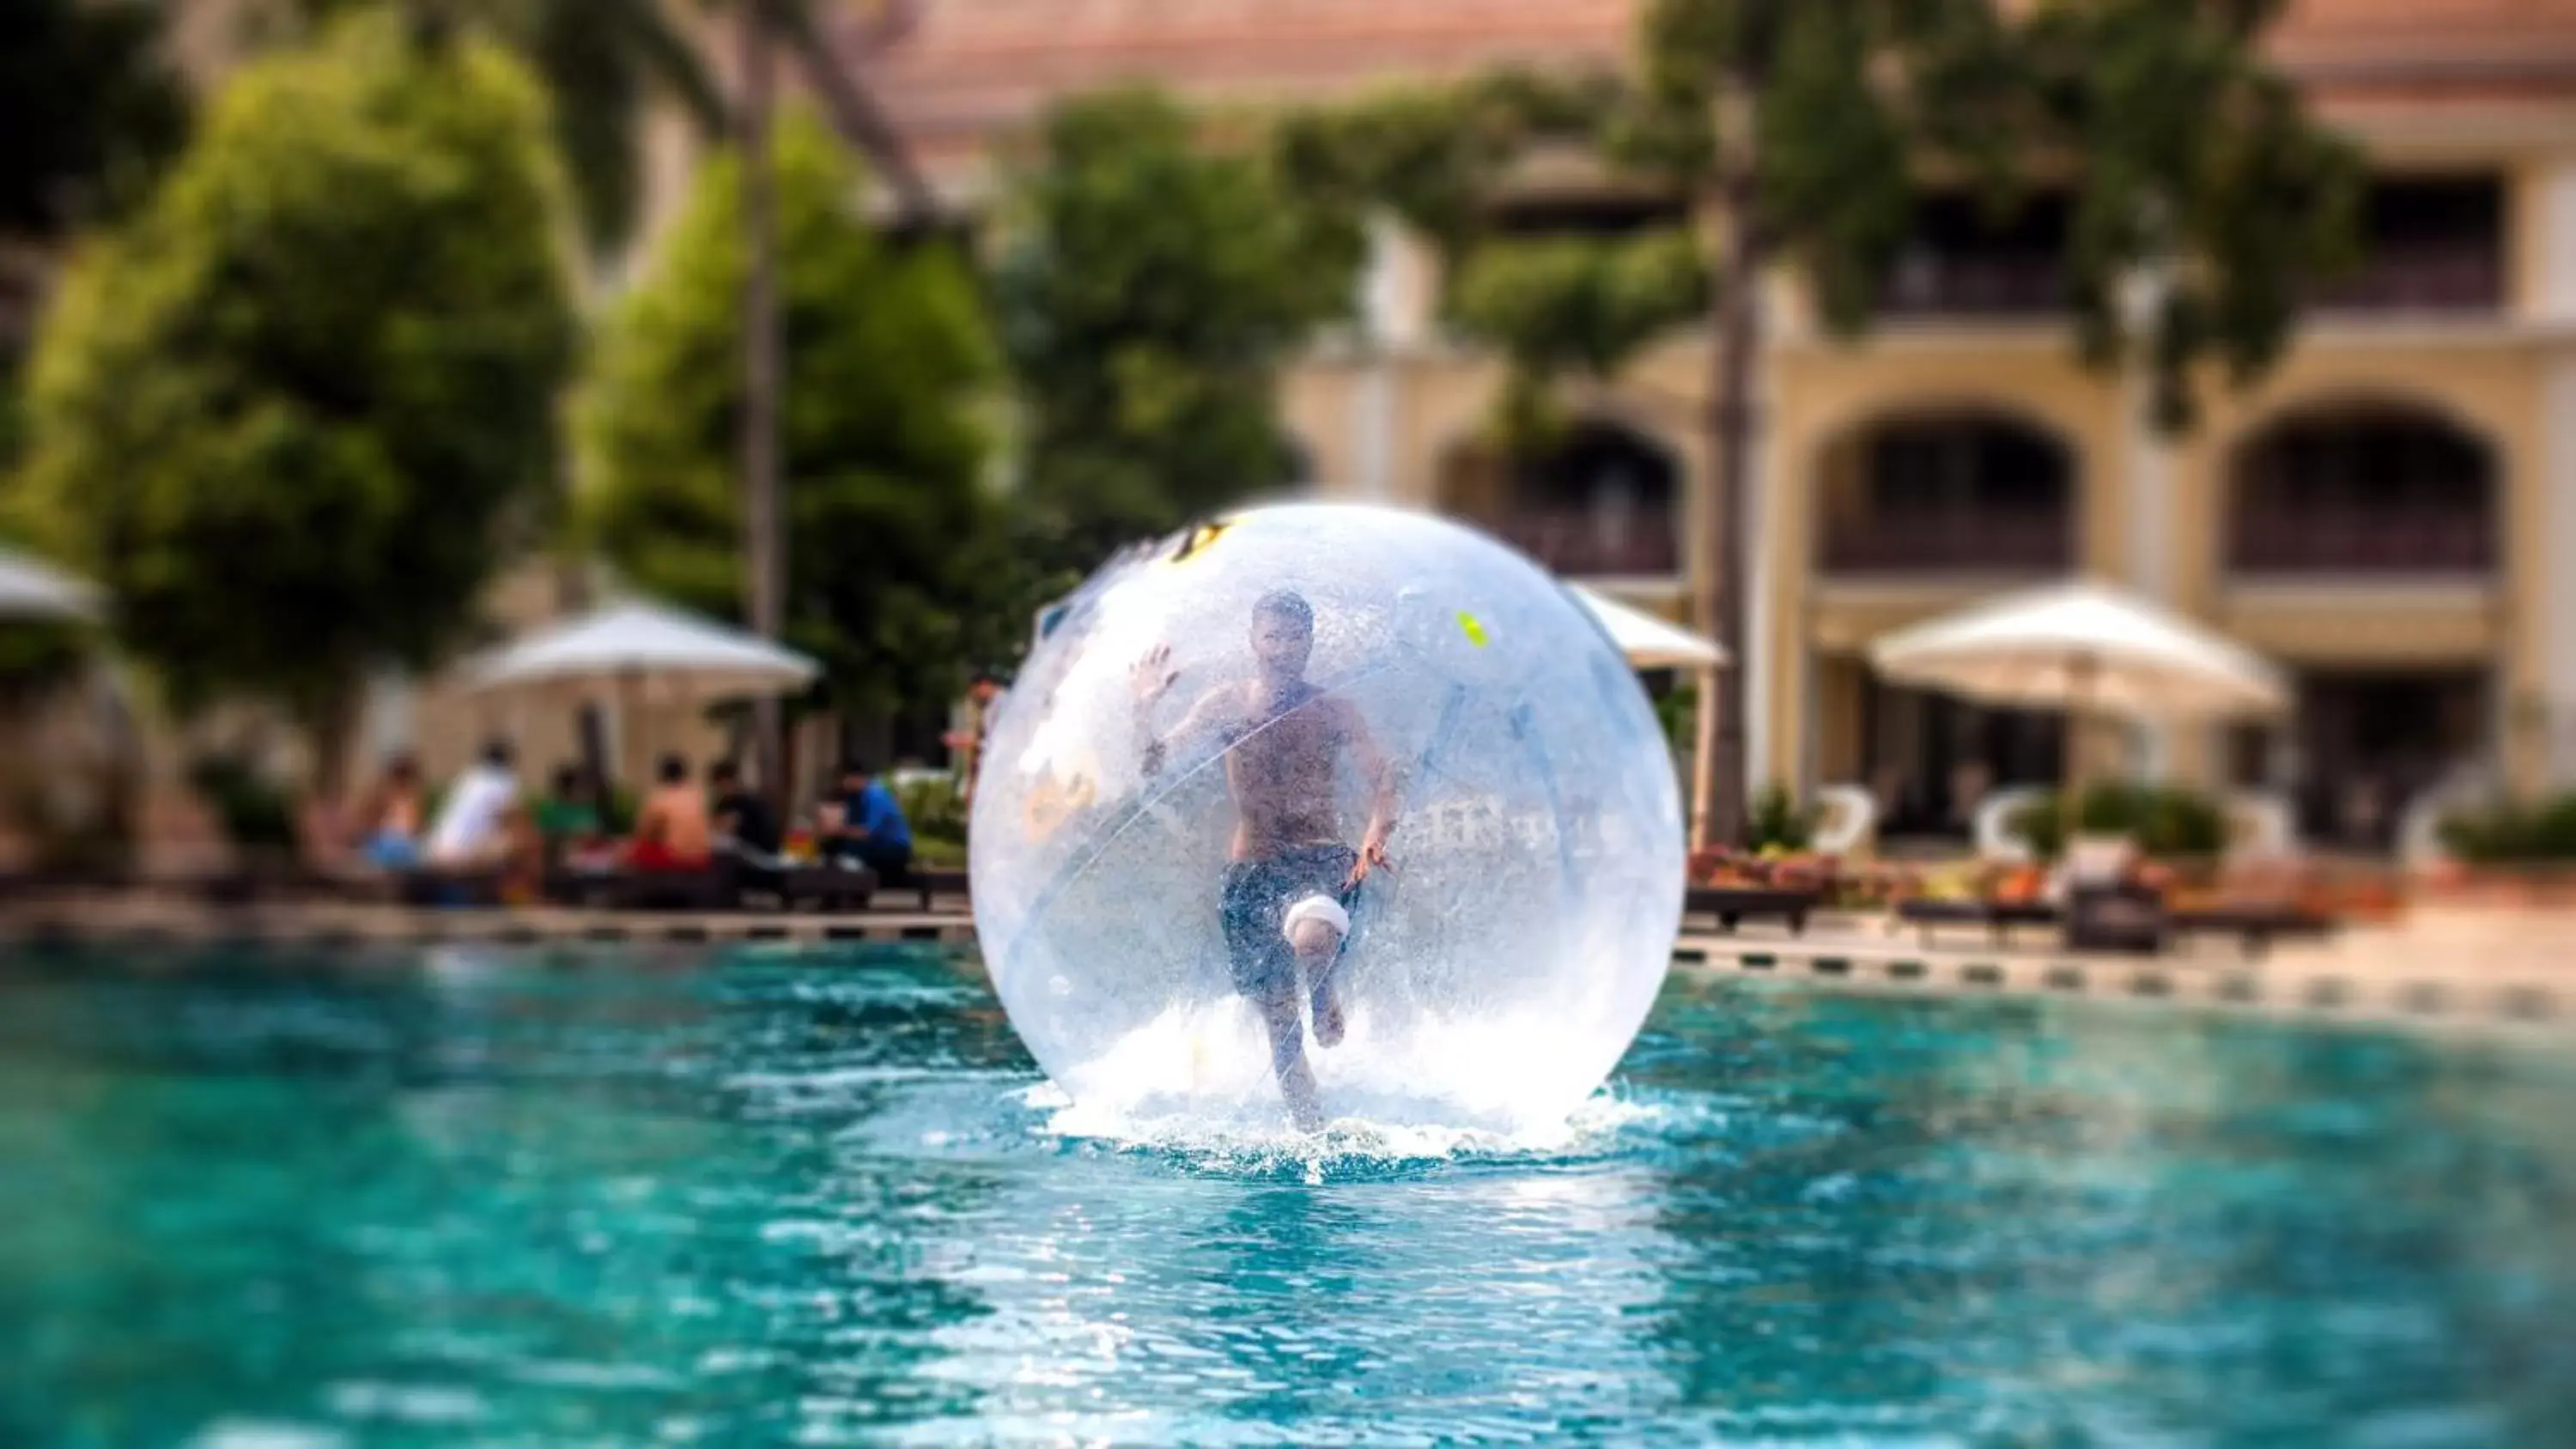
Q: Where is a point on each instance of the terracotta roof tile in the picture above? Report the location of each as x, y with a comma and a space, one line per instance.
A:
956, 72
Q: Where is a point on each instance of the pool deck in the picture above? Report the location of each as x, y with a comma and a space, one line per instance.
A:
2458, 966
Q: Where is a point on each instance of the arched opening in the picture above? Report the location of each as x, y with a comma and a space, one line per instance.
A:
2371, 489
1600, 500
1971, 493
2370, 492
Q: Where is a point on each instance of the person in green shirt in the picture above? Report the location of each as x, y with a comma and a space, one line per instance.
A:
568, 817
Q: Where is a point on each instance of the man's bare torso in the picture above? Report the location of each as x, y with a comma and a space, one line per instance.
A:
1280, 765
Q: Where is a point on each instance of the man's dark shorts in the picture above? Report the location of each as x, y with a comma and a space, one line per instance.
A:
1258, 894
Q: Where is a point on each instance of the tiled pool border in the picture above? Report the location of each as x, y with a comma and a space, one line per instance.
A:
1847, 963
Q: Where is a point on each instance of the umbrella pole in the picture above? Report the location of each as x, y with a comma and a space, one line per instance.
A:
2085, 672
1704, 758
630, 704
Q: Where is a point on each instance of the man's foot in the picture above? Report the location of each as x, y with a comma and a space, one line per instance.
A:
1329, 1022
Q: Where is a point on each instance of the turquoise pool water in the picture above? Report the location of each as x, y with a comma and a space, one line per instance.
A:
636, 1198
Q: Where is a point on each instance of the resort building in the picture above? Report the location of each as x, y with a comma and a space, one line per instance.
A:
2391, 515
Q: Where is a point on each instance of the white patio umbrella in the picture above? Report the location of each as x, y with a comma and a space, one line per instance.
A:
30, 588
643, 647
2088, 649
1652, 643
1649, 642
678, 652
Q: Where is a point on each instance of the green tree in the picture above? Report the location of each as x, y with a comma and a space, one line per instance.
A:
289, 412
1800, 135
895, 559
1152, 281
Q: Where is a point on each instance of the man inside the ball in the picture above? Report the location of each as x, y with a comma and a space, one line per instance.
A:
1292, 879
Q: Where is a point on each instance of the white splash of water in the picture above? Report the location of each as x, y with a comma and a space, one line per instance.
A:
1197, 1080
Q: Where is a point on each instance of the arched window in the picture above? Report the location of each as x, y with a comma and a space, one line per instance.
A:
2371, 489
1600, 501
1978, 493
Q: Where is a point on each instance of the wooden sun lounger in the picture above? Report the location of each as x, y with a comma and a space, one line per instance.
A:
827, 887
933, 884
2256, 927
1998, 918
1733, 905
430, 886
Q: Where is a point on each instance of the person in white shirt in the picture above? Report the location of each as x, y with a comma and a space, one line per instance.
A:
470, 827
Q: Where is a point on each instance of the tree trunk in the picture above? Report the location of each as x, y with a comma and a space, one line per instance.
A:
322, 823
1735, 336
763, 373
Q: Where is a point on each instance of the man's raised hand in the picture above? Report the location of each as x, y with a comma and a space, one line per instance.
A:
1153, 676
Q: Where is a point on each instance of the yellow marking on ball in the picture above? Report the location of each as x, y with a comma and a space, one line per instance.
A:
1200, 540
1474, 629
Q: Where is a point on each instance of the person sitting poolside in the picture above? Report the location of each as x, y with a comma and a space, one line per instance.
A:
568, 818
673, 832
470, 824
742, 818
389, 821
872, 830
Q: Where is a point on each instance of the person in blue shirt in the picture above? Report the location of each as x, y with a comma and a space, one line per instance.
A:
873, 831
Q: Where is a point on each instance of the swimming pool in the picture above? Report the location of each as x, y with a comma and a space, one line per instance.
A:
765, 1197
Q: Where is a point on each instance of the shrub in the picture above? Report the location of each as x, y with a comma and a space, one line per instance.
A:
1778, 820
2165, 820
254, 812
2511, 832
937, 816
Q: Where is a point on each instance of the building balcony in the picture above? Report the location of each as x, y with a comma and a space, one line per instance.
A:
1950, 543
1584, 544
2461, 277
2321, 544
1951, 284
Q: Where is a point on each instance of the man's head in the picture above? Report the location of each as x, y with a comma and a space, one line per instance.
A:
403, 769
497, 753
1283, 634
724, 775
855, 774
985, 686
567, 781
674, 771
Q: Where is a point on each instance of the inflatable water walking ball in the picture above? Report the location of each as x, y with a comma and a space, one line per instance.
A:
1326, 811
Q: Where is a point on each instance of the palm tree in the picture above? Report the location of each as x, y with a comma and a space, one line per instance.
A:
608, 62
605, 62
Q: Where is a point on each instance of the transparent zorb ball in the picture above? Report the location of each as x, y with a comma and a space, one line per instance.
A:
1494, 972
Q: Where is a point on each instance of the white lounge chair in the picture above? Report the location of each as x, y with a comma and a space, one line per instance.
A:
1997, 838
1846, 820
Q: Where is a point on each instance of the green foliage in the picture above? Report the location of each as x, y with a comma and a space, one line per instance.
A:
603, 62
1572, 305
2201, 164
88, 109
898, 576
1151, 283
1434, 154
252, 810
1677, 710
1820, 123
2167, 821
1778, 820
285, 413
2514, 832
937, 816
40, 656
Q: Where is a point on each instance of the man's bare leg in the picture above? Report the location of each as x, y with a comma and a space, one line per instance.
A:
1288, 1057
1316, 944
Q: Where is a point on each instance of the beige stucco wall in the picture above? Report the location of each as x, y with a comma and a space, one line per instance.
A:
2487, 375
